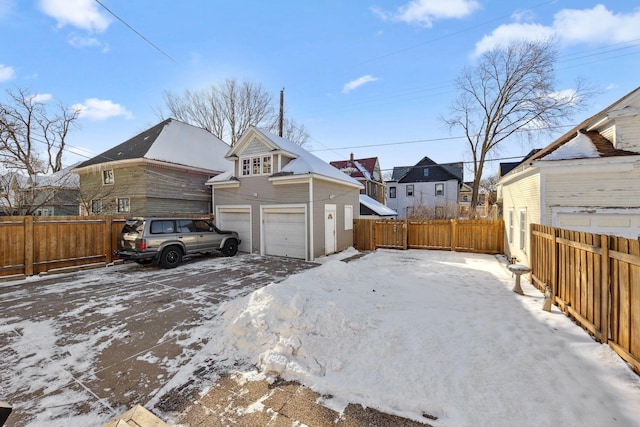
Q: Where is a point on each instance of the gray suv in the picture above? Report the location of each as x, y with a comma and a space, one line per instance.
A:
166, 241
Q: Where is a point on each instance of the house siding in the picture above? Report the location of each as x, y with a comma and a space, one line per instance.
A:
424, 194
522, 194
151, 190
322, 192
628, 134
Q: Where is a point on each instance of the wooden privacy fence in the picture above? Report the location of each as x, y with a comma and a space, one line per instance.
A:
37, 244
594, 279
455, 235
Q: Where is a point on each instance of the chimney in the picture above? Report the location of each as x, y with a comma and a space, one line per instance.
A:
351, 159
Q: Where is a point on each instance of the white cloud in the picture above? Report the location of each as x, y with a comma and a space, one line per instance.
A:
425, 12
101, 109
84, 14
570, 26
82, 42
354, 84
6, 73
41, 98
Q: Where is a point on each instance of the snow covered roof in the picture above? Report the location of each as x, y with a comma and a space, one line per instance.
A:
376, 206
171, 141
582, 145
303, 162
360, 168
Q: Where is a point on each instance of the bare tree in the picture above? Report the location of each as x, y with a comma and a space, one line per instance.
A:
509, 92
227, 110
29, 132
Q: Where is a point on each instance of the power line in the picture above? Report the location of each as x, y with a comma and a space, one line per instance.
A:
135, 31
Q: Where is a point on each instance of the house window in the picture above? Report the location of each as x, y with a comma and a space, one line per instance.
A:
440, 189
266, 165
246, 167
348, 217
392, 192
96, 206
410, 190
465, 198
510, 225
409, 212
123, 205
256, 169
523, 229
107, 177
425, 171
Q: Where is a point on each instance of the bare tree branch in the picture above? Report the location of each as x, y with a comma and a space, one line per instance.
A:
510, 91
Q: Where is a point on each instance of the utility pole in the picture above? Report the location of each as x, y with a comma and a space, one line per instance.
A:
281, 118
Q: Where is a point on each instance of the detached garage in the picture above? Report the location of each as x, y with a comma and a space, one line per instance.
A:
289, 202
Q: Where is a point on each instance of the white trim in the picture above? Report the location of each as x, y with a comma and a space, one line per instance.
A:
301, 179
224, 184
142, 160
311, 255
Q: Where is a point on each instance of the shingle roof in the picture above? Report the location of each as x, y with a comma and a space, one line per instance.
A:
362, 168
437, 172
170, 141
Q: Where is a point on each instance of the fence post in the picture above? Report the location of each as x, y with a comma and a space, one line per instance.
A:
108, 239
604, 291
405, 234
554, 266
28, 245
454, 234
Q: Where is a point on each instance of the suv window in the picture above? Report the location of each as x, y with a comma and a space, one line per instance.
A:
162, 227
185, 226
202, 225
133, 226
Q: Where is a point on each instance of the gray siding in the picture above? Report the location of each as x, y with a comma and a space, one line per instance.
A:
151, 190
322, 192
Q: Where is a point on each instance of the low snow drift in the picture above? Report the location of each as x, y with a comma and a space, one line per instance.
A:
413, 332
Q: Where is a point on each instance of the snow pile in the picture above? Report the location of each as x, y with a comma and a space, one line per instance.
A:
413, 332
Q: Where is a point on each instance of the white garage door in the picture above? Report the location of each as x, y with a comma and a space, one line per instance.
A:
239, 220
284, 232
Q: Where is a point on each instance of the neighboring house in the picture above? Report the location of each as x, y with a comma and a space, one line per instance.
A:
161, 171
372, 209
283, 200
367, 172
586, 180
41, 195
426, 190
50, 195
486, 202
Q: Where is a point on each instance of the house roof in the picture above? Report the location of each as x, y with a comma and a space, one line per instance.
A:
506, 167
303, 162
376, 206
437, 172
602, 145
170, 141
361, 168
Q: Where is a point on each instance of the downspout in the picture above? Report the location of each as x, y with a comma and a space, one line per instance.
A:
310, 228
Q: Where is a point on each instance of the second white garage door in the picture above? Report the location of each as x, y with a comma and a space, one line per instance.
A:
236, 219
284, 232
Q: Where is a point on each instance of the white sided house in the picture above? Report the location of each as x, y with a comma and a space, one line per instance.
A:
284, 201
587, 180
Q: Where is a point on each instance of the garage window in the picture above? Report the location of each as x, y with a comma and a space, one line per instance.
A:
348, 217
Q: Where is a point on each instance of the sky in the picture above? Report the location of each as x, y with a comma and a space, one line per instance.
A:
372, 78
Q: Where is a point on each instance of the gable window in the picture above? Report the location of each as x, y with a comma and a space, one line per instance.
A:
107, 177
425, 171
523, 229
246, 167
266, 165
440, 189
392, 192
256, 166
409, 190
96, 206
348, 217
123, 205
465, 198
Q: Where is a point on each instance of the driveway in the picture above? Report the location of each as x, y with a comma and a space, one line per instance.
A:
80, 348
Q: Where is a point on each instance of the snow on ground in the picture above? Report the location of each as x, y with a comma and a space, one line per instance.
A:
413, 332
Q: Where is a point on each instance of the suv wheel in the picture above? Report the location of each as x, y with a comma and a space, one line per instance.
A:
171, 257
230, 247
